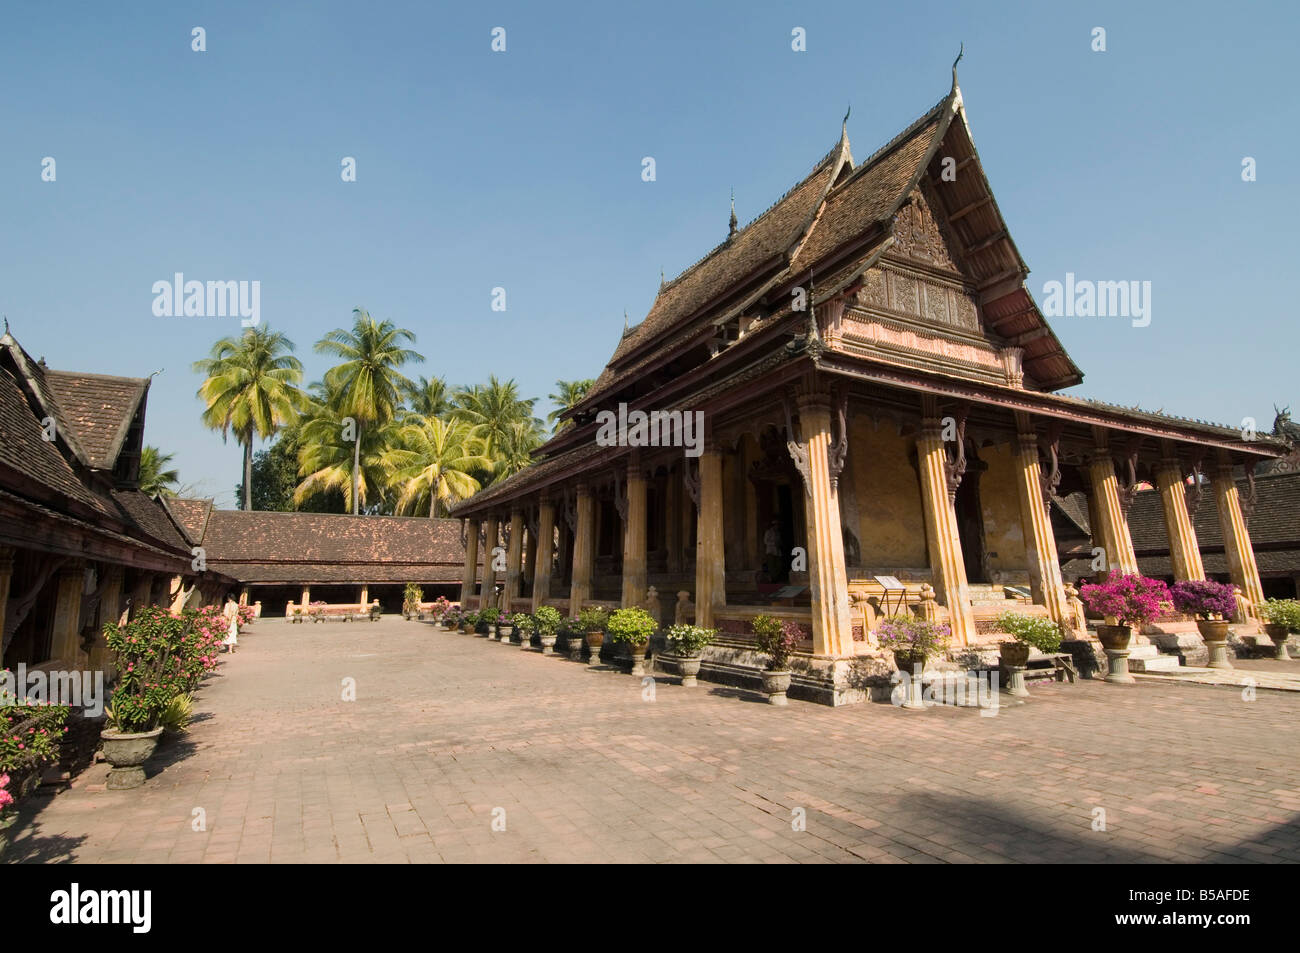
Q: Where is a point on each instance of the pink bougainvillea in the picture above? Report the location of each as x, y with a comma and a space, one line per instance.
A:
1128, 597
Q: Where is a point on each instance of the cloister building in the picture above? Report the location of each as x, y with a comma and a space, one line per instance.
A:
883, 432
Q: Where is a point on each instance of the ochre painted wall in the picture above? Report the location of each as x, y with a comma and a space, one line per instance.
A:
892, 529
1003, 529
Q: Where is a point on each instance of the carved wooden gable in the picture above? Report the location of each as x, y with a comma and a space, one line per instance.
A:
917, 236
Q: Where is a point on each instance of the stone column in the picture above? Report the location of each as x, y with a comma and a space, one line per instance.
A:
1040, 544
1111, 533
673, 520
1236, 538
514, 557
470, 579
64, 643
710, 556
110, 609
634, 536
365, 595
6, 577
1184, 552
141, 593
941, 537
828, 581
487, 591
306, 596
545, 551
583, 541
243, 596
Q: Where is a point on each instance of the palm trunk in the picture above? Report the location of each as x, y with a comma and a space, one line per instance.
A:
248, 473
356, 473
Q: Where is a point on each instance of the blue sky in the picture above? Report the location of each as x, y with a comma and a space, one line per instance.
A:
522, 170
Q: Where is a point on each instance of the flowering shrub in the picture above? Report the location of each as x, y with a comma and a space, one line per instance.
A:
1204, 598
1128, 597
778, 639
1043, 634
688, 640
440, 607
30, 735
159, 656
913, 636
246, 614
5, 797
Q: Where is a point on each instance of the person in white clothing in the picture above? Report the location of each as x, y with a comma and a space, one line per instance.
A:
231, 612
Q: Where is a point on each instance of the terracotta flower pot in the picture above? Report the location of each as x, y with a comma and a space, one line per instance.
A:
1279, 634
776, 684
1214, 632
594, 641
127, 754
638, 658
1115, 640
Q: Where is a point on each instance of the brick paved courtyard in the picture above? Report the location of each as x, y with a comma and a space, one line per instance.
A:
446, 728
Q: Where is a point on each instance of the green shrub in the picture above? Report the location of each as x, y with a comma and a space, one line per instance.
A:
30, 736
1040, 632
523, 622
548, 621
490, 615
593, 619
178, 713
633, 626
1282, 612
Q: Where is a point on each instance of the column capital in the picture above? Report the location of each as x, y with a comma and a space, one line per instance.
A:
813, 400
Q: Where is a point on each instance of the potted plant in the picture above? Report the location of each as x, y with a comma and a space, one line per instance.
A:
687, 644
913, 641
548, 620
505, 625
1213, 604
633, 628
525, 624
31, 733
438, 611
572, 632
1026, 631
593, 621
778, 640
486, 624
1281, 618
1129, 599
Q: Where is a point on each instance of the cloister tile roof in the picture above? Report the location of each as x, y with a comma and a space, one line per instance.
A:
149, 515
265, 547
99, 408
190, 515
1274, 522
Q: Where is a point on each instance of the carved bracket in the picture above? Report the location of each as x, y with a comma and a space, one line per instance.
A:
840, 448
691, 478
1051, 479
620, 496
1250, 499
798, 451
954, 461
1128, 475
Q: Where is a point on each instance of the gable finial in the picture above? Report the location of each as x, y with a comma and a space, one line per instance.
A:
844, 126
625, 320
960, 52
662, 280
731, 228
6, 324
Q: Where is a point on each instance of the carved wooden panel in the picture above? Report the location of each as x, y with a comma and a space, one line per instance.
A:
916, 235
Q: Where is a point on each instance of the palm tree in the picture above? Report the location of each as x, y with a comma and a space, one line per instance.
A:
368, 383
515, 451
354, 468
250, 390
495, 408
155, 478
570, 395
429, 398
436, 460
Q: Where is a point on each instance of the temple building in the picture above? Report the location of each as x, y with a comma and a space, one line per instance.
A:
79, 543
883, 431
283, 559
